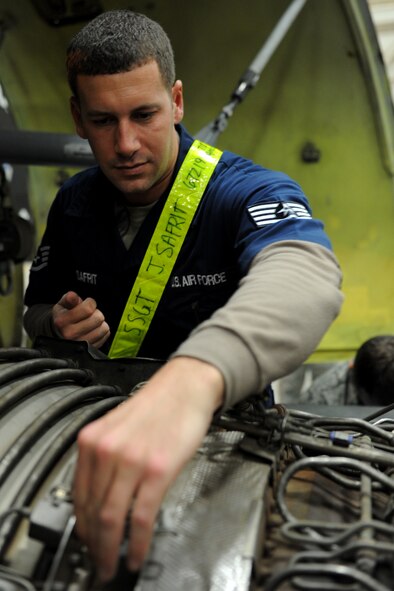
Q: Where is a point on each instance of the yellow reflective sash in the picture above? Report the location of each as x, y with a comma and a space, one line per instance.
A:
164, 247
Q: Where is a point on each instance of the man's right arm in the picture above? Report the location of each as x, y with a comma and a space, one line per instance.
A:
37, 321
71, 318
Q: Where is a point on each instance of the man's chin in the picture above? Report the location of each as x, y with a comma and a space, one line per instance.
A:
131, 187
146, 188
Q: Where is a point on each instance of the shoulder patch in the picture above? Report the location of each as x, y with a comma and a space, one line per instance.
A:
271, 213
40, 261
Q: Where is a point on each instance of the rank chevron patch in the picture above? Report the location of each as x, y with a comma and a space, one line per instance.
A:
271, 213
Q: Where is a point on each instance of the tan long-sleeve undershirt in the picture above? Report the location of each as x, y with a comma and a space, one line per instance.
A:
273, 321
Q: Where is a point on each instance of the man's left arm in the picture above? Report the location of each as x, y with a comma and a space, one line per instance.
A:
274, 320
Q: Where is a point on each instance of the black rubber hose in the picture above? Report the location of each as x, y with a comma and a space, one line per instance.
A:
20, 354
19, 370
10, 459
47, 460
21, 390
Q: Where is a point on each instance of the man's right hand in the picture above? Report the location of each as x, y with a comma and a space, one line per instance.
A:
80, 320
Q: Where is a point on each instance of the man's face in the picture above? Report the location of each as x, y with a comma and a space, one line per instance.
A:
128, 119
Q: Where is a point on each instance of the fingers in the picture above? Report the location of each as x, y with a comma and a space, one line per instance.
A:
109, 520
102, 495
98, 336
105, 513
145, 509
129, 458
118, 468
71, 309
70, 300
105, 483
77, 319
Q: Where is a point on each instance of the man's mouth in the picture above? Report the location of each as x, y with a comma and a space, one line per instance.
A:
132, 168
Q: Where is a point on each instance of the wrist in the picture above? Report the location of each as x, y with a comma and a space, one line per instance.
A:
193, 380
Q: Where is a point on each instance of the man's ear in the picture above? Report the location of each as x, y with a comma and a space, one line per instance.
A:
76, 115
177, 100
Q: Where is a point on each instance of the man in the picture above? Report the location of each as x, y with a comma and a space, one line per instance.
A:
250, 294
368, 379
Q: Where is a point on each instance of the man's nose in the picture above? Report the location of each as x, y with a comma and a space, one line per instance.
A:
126, 140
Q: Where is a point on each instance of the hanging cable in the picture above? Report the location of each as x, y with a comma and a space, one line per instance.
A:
211, 132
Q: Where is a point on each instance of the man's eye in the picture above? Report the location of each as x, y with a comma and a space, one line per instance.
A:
102, 121
144, 115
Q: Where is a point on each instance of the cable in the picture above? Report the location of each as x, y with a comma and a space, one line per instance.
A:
40, 469
379, 412
327, 448
26, 387
325, 461
31, 366
50, 581
211, 132
333, 570
6, 574
320, 557
348, 530
19, 353
24, 511
12, 456
353, 424
334, 476
384, 421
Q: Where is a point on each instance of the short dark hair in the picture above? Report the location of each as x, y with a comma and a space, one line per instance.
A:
374, 369
117, 41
